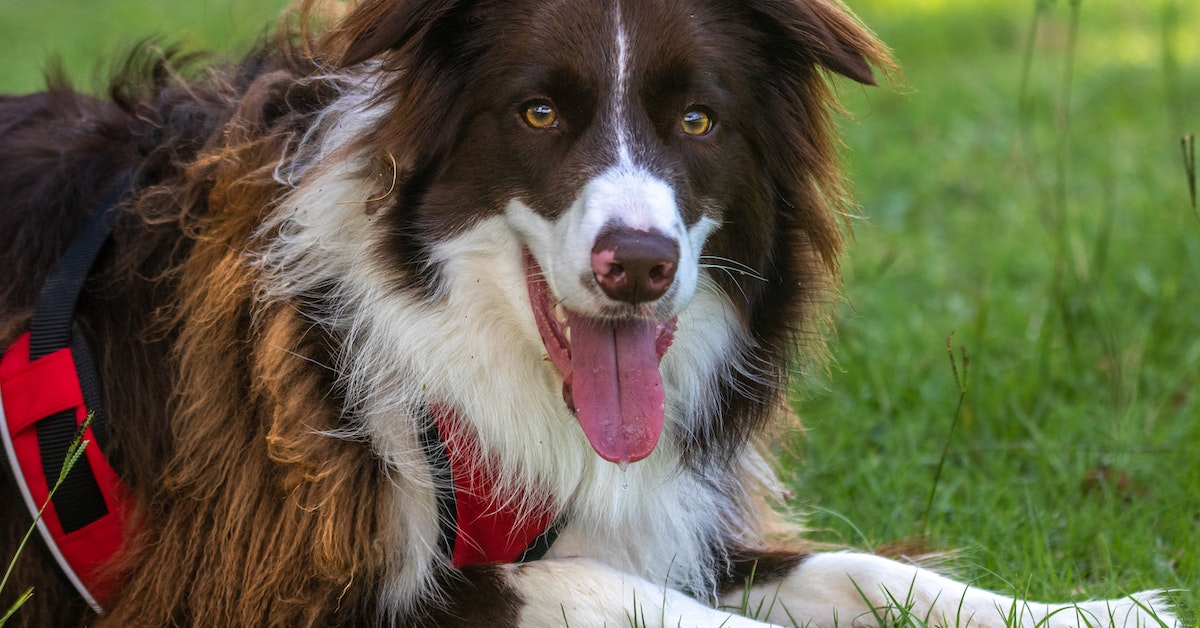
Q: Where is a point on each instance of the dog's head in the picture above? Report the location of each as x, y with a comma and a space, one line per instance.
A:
638, 149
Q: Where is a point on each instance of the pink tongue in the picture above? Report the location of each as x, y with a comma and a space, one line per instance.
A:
616, 387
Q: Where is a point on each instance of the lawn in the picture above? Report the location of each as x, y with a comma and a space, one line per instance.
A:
1026, 193
1023, 195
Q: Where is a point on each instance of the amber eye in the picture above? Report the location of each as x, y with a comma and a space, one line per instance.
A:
696, 122
541, 115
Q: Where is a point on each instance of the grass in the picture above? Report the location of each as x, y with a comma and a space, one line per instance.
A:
1026, 194
89, 35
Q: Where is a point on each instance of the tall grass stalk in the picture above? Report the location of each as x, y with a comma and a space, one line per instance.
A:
1058, 213
1031, 36
1169, 26
1188, 144
960, 381
74, 452
1063, 149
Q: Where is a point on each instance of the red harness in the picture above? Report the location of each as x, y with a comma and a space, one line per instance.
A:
49, 387
477, 527
82, 525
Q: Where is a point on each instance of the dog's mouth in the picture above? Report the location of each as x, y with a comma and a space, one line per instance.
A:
609, 368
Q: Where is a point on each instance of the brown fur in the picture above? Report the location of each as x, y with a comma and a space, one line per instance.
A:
238, 386
244, 515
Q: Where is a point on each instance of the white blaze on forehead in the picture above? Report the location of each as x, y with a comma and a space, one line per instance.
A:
621, 92
626, 194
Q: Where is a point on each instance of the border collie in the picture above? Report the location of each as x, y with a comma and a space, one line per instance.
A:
455, 312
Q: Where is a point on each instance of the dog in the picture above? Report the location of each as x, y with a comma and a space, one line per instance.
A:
454, 312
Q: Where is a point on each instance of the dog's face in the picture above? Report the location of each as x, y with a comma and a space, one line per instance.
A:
616, 165
629, 145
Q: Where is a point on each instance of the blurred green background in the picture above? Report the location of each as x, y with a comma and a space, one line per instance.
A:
1027, 193
1023, 188
91, 37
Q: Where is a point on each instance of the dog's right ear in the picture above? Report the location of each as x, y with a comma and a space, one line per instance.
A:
824, 32
383, 28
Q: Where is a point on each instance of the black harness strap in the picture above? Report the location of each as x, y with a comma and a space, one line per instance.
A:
78, 501
538, 548
50, 329
443, 478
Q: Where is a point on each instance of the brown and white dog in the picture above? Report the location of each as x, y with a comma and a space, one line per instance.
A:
428, 282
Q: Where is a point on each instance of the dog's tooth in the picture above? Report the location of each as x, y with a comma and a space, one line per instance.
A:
560, 313
567, 333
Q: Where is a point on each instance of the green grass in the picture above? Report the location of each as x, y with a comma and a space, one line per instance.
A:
1054, 236
1026, 193
88, 35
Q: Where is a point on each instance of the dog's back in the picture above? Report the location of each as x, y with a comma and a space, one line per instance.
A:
62, 153
58, 150
186, 150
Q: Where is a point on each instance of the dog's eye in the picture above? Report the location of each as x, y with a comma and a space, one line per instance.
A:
541, 114
696, 122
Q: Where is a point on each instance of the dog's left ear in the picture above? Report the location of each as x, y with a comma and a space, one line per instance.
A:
828, 35
382, 27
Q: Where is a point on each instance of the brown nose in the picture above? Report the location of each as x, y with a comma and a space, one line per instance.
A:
635, 266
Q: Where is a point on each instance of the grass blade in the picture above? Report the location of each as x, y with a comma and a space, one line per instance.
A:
960, 380
74, 452
1188, 144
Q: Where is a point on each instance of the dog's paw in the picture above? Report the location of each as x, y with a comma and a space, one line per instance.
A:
1148, 609
582, 592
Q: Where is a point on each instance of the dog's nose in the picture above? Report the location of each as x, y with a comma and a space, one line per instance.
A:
635, 266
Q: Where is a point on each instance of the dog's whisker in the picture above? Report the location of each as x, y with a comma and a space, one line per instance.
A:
710, 283
730, 265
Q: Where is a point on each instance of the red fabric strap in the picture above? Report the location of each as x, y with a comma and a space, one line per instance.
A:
31, 392
490, 528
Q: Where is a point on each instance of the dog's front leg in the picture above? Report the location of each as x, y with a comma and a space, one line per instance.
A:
586, 593
851, 589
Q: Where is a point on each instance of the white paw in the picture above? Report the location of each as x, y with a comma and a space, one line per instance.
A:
1148, 609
